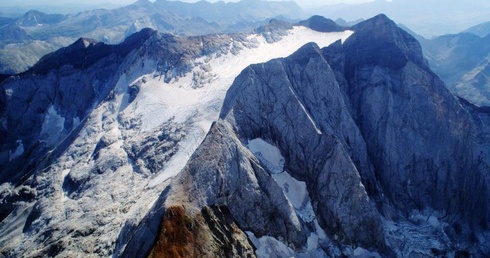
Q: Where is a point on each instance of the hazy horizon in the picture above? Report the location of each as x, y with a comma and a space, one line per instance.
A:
426, 17
126, 2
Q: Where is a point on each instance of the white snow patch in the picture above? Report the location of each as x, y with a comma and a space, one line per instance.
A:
52, 127
268, 246
297, 195
295, 192
305, 111
11, 228
63, 175
268, 154
18, 151
179, 160
363, 253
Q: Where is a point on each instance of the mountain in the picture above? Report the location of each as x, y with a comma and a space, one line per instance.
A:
92, 133
461, 60
222, 12
35, 34
285, 142
481, 30
320, 23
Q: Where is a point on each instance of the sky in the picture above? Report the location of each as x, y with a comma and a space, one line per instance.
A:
125, 2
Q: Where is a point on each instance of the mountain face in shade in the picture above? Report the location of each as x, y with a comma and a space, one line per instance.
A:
290, 141
320, 23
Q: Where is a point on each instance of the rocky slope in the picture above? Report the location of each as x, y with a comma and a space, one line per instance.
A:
355, 149
92, 133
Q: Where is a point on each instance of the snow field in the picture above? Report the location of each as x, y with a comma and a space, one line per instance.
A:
197, 102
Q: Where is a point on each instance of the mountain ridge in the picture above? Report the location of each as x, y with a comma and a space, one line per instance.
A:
28, 44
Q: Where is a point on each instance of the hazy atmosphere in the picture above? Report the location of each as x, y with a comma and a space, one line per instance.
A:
122, 2
427, 18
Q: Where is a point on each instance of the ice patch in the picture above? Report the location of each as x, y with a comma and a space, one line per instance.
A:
297, 195
269, 155
270, 247
179, 160
411, 236
52, 127
18, 151
363, 253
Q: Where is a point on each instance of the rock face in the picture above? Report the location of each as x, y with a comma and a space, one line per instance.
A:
211, 233
387, 156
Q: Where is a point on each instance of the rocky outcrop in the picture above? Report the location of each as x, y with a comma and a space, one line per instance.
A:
412, 124
210, 233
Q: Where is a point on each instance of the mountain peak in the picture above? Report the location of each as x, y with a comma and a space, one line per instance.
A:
85, 42
321, 24
305, 53
34, 18
33, 12
379, 41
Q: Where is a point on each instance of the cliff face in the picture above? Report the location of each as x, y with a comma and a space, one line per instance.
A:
384, 152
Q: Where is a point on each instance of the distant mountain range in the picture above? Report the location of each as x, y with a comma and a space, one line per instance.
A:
25, 39
427, 17
462, 61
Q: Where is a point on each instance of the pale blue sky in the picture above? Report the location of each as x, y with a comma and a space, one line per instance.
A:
125, 2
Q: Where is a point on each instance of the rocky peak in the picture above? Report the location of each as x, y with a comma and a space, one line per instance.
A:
36, 18
143, 3
379, 41
321, 24
85, 52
